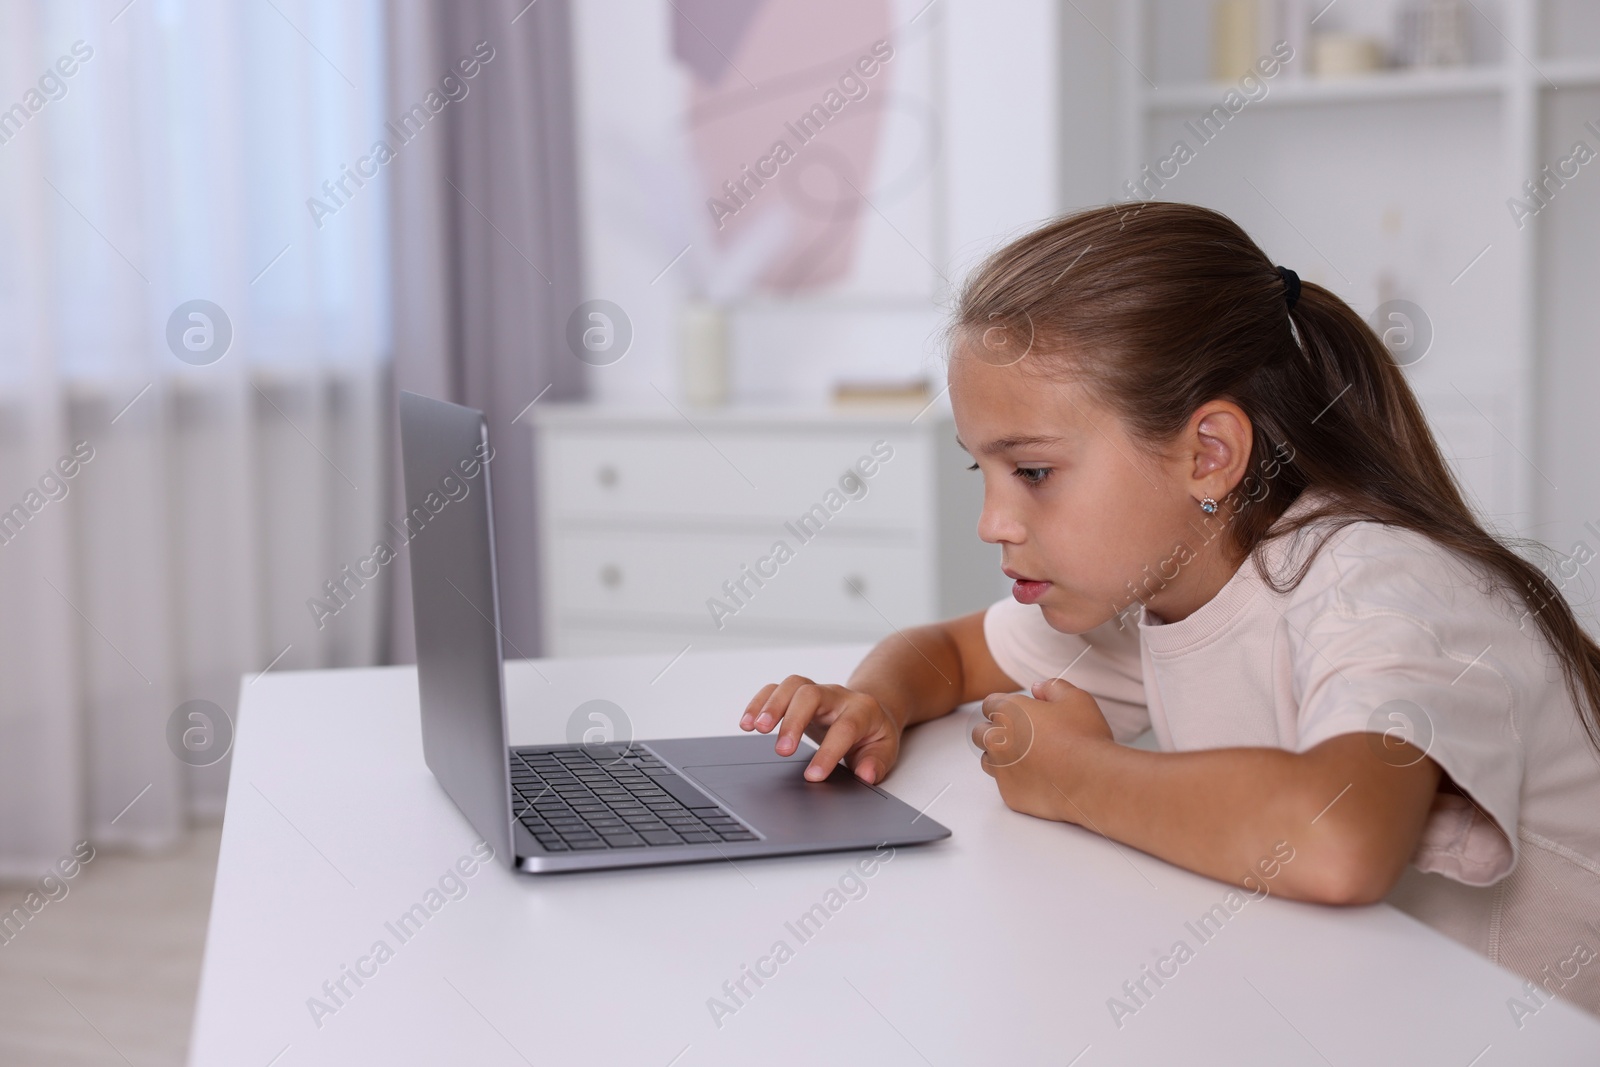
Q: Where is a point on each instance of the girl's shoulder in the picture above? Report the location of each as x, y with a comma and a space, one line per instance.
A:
1362, 566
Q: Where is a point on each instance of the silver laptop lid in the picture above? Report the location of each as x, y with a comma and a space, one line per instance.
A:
455, 607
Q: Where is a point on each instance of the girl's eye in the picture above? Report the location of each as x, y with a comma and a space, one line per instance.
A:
1030, 475
1033, 475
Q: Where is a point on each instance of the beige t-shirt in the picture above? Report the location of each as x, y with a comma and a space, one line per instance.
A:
1388, 632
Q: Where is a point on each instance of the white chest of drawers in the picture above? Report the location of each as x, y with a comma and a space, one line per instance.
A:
752, 526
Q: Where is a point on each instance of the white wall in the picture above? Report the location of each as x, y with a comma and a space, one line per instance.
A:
1568, 492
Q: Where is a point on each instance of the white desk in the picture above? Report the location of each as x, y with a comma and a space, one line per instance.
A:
1000, 945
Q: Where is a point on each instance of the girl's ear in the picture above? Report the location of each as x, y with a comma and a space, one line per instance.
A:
1221, 436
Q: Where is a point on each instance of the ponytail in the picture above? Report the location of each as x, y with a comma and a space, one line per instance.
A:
1383, 433
1180, 307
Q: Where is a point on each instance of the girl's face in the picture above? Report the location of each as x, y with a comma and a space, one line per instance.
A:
1087, 520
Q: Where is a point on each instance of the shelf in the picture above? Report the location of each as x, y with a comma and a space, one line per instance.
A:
1569, 73
1438, 147
1376, 86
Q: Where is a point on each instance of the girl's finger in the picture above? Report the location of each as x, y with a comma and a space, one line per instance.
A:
840, 738
803, 707
872, 758
980, 733
1007, 736
777, 702
998, 702
1053, 689
748, 722
980, 737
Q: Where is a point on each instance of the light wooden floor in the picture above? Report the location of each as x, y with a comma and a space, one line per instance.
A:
122, 950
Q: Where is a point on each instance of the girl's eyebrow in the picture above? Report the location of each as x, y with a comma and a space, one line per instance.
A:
1009, 444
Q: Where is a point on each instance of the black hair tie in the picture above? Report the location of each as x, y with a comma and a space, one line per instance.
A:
1291, 285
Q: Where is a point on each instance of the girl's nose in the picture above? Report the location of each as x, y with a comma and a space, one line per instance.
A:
996, 526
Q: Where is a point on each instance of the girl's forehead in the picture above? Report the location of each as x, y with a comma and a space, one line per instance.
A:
998, 345
1014, 404
1033, 379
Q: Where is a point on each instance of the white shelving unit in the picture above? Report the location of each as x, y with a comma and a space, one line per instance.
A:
1395, 184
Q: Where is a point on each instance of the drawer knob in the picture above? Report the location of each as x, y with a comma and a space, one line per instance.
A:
610, 576
855, 585
607, 475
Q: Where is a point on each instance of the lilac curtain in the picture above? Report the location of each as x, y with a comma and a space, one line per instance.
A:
487, 257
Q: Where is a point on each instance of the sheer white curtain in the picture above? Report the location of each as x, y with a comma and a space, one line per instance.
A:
165, 521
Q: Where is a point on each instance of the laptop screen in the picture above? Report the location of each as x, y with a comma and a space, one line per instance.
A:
449, 526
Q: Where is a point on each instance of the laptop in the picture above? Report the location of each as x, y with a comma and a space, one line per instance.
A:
594, 803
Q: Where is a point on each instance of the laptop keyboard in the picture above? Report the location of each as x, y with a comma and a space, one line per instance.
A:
608, 796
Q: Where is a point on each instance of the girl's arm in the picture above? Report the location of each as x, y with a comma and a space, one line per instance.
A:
1350, 813
909, 677
928, 671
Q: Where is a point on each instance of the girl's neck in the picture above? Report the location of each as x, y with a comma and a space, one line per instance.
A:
1212, 567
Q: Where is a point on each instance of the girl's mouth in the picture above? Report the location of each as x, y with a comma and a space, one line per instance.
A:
1026, 590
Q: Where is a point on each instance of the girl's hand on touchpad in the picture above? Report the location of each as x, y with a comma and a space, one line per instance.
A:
847, 725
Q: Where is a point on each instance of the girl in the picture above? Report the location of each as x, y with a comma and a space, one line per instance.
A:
1228, 522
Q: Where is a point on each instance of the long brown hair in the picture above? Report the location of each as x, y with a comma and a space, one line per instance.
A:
1158, 308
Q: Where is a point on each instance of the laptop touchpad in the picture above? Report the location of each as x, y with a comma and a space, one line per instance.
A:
776, 799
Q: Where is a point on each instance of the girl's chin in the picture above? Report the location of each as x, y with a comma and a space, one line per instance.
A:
1072, 619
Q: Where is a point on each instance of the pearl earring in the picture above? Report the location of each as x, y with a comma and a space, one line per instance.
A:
1209, 506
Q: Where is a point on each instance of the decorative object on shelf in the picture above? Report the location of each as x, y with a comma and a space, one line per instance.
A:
874, 392
1234, 25
703, 352
1431, 33
1338, 54
1244, 31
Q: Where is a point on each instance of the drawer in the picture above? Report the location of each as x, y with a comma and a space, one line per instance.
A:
598, 636
862, 586
622, 473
